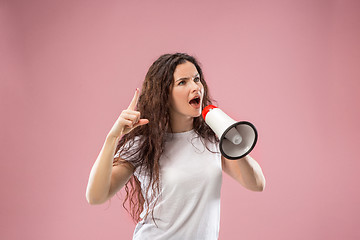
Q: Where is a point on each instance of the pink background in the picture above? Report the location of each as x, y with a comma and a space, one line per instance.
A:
68, 68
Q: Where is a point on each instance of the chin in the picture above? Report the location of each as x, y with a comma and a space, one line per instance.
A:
198, 114
192, 112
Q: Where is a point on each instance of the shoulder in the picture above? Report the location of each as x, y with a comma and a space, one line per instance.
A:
130, 151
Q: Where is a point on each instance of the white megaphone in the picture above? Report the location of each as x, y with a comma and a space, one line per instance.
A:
237, 139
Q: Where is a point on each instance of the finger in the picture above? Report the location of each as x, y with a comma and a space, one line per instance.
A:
141, 122
128, 123
134, 101
131, 112
132, 117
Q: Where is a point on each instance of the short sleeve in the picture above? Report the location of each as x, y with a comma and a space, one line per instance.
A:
130, 152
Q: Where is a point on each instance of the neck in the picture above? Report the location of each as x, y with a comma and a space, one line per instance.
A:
181, 124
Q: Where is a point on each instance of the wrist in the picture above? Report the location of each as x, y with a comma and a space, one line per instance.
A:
111, 137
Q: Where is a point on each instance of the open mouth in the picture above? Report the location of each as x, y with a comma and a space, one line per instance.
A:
195, 102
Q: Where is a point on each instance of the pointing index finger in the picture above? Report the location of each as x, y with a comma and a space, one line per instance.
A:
134, 101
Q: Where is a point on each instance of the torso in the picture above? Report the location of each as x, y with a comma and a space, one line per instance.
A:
189, 203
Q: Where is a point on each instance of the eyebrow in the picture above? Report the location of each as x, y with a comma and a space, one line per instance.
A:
186, 78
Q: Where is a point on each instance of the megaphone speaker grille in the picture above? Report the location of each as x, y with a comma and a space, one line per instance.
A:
249, 136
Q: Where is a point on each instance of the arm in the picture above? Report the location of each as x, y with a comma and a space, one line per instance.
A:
105, 180
246, 171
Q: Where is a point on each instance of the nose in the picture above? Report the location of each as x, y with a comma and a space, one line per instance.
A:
195, 86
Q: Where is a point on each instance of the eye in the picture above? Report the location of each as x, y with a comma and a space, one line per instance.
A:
197, 79
182, 82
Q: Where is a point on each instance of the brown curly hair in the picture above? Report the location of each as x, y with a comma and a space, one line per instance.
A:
154, 105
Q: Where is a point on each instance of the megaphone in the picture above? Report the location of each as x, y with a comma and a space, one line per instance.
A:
237, 139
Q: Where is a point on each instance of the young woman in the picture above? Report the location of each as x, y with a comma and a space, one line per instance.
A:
167, 158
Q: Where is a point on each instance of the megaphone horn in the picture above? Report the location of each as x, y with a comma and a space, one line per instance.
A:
237, 139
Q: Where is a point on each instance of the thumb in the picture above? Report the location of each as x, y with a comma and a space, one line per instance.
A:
141, 122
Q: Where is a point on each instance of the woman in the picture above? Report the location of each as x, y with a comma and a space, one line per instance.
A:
167, 158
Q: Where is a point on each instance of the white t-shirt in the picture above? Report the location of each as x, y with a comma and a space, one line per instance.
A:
189, 203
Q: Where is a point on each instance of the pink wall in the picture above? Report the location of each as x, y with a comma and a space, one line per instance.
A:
68, 68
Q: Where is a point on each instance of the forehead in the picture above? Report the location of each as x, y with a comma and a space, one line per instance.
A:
186, 69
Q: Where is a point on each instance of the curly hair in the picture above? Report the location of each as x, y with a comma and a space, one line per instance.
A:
154, 105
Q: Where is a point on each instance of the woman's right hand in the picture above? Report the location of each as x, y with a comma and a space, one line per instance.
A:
128, 119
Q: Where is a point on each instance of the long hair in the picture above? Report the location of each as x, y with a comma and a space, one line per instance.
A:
154, 105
